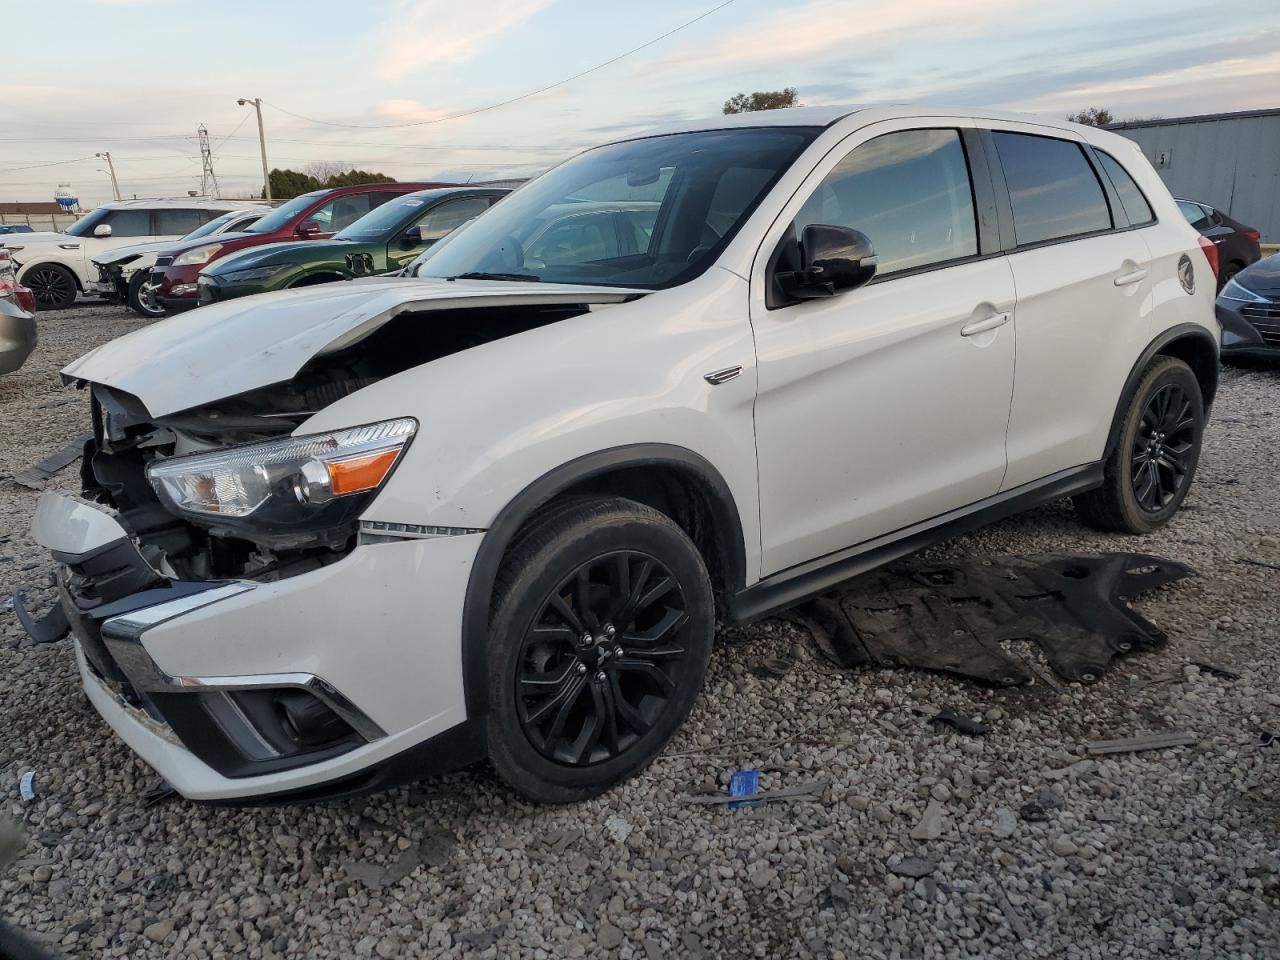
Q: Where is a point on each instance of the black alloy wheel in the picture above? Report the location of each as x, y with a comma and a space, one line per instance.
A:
600, 663
600, 632
53, 286
1162, 448
1153, 452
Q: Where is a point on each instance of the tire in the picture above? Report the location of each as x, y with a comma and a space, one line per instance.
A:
140, 301
52, 284
1229, 271
1154, 459
568, 719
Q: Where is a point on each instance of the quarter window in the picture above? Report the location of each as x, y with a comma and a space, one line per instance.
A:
1135, 204
1195, 214
1053, 189
909, 192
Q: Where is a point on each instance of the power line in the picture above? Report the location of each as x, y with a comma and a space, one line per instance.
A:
503, 103
36, 166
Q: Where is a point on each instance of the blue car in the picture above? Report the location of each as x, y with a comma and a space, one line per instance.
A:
14, 228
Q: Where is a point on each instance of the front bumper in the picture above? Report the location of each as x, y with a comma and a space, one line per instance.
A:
201, 679
1249, 329
112, 284
175, 287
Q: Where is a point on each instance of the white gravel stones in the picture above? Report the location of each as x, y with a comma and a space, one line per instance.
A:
1174, 850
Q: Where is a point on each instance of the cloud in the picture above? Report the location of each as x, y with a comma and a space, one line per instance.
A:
1238, 83
823, 27
423, 33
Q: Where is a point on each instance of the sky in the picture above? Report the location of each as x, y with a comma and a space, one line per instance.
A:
353, 82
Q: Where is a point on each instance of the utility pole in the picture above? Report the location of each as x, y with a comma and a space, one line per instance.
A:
111, 168
262, 143
207, 176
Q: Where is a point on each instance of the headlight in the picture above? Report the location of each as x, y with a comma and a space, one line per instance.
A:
198, 255
292, 492
1233, 291
253, 273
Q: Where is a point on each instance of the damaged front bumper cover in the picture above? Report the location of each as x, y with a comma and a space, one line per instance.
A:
244, 732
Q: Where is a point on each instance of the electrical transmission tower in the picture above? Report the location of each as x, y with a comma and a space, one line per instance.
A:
207, 177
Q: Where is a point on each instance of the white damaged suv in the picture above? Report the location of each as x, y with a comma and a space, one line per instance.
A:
335, 537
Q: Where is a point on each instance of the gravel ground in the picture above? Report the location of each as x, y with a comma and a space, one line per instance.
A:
1166, 853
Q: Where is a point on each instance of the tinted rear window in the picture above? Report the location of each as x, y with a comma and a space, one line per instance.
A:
1135, 204
1052, 187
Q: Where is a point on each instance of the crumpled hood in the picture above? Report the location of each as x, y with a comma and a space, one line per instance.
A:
227, 348
132, 251
1263, 277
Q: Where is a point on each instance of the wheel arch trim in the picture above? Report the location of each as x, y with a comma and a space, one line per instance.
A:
498, 537
1158, 346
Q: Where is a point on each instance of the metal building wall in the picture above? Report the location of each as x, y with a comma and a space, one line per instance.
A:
1231, 161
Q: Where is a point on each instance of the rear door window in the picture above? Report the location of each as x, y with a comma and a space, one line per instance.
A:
1135, 204
909, 192
340, 212
1052, 187
178, 222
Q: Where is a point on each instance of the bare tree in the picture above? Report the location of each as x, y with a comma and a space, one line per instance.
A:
1093, 117
326, 169
763, 100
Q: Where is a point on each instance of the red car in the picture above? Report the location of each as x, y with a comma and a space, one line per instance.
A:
312, 216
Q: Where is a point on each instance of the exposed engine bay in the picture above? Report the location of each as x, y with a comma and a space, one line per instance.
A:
127, 440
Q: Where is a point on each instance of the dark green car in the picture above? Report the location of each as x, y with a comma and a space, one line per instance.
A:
382, 241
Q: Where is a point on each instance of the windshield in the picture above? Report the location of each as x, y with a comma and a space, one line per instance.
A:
382, 220
280, 216
84, 226
647, 213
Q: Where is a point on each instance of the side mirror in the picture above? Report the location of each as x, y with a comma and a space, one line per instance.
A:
411, 238
310, 228
102, 230
832, 260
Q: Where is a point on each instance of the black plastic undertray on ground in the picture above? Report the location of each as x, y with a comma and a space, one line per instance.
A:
957, 617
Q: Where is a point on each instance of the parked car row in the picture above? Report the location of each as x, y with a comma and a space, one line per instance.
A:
124, 274
58, 266
335, 537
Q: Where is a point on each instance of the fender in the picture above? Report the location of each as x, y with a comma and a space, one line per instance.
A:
484, 571
1155, 347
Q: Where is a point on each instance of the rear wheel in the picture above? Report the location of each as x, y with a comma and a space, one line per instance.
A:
52, 285
142, 296
599, 639
1154, 459
1229, 271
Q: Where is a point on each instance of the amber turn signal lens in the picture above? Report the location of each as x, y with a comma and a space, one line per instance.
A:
360, 473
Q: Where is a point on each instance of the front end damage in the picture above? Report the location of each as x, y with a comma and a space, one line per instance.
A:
246, 635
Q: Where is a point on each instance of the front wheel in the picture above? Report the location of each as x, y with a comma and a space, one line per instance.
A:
52, 285
1154, 459
599, 638
142, 298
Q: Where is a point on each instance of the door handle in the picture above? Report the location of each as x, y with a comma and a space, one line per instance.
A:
986, 323
1133, 276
